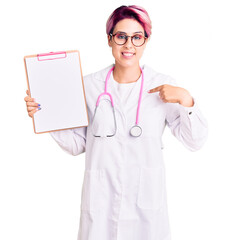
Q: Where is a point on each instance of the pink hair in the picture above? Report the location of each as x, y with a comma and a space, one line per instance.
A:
131, 12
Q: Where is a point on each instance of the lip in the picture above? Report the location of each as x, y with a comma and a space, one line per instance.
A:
128, 54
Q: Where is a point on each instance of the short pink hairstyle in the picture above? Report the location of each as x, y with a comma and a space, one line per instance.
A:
131, 12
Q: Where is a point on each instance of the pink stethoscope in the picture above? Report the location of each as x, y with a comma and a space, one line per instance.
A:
136, 130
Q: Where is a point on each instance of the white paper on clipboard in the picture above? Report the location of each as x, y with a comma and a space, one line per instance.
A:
55, 81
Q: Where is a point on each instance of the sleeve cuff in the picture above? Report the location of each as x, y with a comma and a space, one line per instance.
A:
189, 111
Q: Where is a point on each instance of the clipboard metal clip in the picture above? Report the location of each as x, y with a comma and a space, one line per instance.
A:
51, 56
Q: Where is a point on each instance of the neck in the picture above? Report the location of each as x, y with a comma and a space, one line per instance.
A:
126, 74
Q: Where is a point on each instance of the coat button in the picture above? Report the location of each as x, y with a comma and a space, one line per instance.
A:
190, 113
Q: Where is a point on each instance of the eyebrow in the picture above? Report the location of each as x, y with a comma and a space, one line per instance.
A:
126, 33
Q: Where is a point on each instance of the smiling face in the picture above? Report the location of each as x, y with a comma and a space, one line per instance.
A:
127, 55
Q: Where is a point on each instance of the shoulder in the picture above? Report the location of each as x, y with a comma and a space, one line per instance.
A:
155, 78
94, 82
97, 76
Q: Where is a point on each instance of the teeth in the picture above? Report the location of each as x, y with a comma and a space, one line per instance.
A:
128, 54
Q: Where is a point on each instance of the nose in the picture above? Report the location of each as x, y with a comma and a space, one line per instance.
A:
129, 43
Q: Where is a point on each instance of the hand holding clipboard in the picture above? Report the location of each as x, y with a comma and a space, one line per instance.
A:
32, 106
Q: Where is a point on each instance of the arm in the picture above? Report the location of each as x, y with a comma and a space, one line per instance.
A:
183, 116
71, 141
187, 124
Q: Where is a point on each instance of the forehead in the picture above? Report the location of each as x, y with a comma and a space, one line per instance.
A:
128, 26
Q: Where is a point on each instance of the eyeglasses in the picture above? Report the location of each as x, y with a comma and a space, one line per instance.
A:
121, 38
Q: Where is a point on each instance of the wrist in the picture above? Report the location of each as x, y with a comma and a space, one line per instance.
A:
187, 102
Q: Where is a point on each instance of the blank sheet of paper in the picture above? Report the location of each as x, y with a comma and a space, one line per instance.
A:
56, 83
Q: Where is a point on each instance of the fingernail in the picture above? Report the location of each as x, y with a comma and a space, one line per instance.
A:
39, 108
39, 105
148, 91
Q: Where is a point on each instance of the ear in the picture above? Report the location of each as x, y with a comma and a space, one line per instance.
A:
109, 40
146, 41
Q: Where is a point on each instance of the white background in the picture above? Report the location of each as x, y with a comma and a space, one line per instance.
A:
40, 185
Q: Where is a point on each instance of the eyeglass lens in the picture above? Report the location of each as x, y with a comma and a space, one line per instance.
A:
137, 40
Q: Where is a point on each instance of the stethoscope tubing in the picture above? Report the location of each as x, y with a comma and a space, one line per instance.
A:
112, 102
140, 98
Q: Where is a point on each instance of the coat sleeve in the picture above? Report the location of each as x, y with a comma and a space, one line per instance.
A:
187, 124
72, 141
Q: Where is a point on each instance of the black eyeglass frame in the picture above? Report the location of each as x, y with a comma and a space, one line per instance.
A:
113, 35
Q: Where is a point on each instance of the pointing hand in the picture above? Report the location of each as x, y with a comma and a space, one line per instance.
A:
172, 94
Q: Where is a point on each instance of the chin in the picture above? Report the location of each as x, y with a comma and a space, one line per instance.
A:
127, 63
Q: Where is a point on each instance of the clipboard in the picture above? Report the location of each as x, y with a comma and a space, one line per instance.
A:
55, 80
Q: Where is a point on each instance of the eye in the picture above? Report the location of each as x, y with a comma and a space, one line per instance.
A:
137, 37
121, 36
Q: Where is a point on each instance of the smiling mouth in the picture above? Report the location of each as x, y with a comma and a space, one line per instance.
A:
127, 54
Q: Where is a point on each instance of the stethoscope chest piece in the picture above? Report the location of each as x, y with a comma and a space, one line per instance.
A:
136, 131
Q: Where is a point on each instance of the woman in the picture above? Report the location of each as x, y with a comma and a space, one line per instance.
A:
124, 191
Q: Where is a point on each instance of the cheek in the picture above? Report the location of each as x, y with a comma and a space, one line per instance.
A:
116, 51
139, 52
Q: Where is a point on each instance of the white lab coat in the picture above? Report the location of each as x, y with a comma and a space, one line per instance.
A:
124, 188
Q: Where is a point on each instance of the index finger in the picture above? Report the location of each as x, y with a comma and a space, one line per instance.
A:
157, 89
